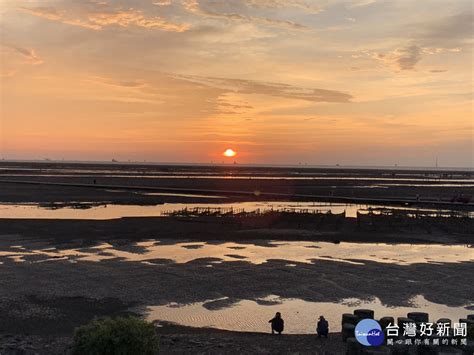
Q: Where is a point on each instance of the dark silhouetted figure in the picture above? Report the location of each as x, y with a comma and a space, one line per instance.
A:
277, 323
323, 327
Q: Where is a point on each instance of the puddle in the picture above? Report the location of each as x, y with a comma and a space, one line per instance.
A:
301, 252
178, 195
300, 316
112, 211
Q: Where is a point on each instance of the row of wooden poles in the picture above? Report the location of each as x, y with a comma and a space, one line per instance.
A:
412, 213
240, 212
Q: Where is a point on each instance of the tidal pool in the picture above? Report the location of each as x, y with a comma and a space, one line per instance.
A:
220, 259
256, 252
300, 316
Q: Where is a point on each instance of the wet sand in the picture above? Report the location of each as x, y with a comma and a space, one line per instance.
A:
202, 229
45, 280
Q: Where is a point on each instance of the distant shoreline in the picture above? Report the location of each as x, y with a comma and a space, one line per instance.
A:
243, 165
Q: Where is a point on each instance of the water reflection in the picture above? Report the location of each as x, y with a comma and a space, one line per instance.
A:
158, 252
112, 211
177, 195
405, 181
300, 316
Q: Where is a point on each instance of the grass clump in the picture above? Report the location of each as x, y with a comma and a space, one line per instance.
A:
116, 336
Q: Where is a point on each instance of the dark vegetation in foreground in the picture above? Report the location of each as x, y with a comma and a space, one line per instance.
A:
116, 336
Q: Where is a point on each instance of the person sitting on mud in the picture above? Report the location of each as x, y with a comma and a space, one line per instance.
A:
323, 327
277, 323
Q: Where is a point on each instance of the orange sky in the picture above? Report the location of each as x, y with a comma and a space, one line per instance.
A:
366, 82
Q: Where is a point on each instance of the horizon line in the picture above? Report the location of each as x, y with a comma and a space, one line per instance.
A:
235, 164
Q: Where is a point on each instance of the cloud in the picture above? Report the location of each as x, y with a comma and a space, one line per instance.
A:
130, 84
401, 58
162, 3
194, 7
436, 50
450, 34
406, 58
361, 3
227, 106
28, 54
52, 14
101, 16
271, 89
447, 32
279, 4
438, 71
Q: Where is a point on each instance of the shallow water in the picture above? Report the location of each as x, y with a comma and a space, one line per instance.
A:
178, 195
113, 211
256, 253
404, 181
300, 316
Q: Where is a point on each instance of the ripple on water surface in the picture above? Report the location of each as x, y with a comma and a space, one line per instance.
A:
300, 316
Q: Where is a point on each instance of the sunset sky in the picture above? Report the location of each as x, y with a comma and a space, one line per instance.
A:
364, 82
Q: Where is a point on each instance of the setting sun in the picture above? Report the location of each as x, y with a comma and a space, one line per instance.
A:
229, 153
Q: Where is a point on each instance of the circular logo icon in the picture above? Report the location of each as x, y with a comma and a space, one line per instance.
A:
368, 332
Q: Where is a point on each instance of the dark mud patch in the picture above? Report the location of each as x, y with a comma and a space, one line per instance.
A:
236, 256
159, 261
35, 315
263, 302
129, 247
192, 246
206, 261
220, 304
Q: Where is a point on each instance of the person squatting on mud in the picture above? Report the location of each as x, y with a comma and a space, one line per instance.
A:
322, 327
277, 323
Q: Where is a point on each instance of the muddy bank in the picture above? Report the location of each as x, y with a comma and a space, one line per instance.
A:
30, 314
186, 340
83, 194
178, 339
139, 228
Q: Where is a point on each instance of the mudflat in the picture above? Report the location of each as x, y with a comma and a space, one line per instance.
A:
246, 183
59, 273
